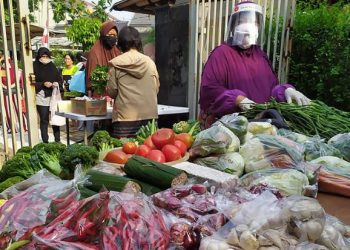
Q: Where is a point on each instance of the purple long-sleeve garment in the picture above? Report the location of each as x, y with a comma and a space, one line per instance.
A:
230, 72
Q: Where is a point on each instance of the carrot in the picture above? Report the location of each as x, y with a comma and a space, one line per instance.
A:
333, 183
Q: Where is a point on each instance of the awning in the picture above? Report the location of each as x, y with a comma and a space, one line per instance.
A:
140, 6
35, 30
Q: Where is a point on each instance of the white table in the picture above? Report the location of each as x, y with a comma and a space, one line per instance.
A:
162, 110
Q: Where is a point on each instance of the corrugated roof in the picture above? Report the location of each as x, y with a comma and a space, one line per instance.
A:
140, 6
142, 20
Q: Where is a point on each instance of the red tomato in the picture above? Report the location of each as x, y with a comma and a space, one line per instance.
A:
143, 150
156, 155
182, 146
163, 137
116, 156
148, 142
129, 147
171, 152
185, 138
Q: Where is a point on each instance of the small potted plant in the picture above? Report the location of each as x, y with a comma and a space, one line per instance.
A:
98, 106
99, 79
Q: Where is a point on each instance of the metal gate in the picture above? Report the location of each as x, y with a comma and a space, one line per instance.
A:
18, 116
208, 24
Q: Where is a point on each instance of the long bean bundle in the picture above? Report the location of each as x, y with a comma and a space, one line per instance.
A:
314, 119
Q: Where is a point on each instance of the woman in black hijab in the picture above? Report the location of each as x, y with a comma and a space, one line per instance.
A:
46, 78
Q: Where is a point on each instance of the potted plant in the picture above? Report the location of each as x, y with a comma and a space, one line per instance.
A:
98, 79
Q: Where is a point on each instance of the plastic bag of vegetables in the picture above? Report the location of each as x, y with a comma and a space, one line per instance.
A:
334, 176
134, 223
257, 225
266, 128
340, 226
28, 211
236, 123
287, 181
297, 137
79, 225
214, 140
342, 142
267, 151
332, 238
231, 163
41, 177
315, 147
305, 217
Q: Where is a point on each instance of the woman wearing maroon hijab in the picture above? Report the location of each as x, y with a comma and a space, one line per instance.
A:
238, 73
103, 50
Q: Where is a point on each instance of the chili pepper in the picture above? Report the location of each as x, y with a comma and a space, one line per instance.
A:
66, 200
17, 244
85, 229
5, 239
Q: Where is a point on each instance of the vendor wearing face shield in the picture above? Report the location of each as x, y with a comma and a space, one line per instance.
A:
238, 73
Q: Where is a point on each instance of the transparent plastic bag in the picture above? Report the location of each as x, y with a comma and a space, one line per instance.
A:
306, 217
261, 213
257, 224
334, 176
108, 168
336, 235
134, 223
287, 181
236, 123
310, 246
41, 177
30, 210
231, 163
194, 214
296, 137
342, 143
266, 128
81, 223
340, 226
315, 147
333, 239
214, 140
267, 151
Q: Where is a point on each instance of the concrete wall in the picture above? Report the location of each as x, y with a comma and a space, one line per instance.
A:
172, 39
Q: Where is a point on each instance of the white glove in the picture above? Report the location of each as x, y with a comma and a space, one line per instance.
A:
246, 104
294, 95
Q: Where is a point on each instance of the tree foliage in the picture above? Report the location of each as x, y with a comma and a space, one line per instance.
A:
320, 60
71, 8
84, 30
99, 10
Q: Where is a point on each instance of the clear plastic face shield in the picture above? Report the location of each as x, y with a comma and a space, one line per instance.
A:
245, 25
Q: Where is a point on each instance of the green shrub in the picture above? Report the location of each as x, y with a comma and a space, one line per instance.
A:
320, 59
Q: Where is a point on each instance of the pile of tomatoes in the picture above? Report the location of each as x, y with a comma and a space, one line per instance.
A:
162, 146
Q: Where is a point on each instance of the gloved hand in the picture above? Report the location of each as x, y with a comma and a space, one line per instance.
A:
294, 95
246, 104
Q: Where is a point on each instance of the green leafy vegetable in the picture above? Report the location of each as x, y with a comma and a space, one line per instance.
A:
287, 181
314, 119
99, 79
10, 182
19, 165
191, 127
25, 149
76, 154
146, 131
181, 127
